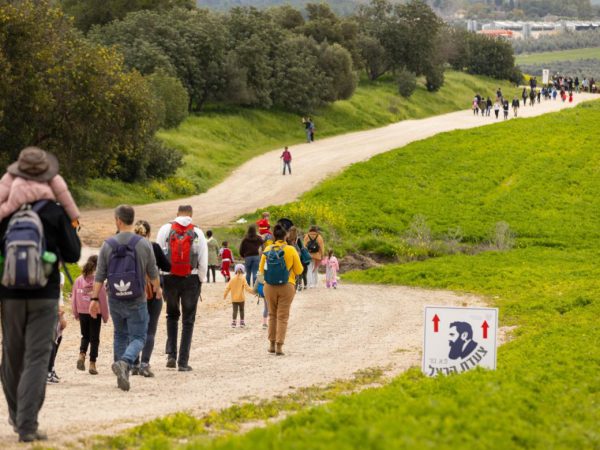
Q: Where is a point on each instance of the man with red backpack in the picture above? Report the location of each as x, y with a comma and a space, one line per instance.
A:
185, 246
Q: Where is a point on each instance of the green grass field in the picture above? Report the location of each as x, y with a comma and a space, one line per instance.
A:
543, 180
560, 55
221, 139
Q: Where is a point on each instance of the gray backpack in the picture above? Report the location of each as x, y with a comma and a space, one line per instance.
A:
23, 248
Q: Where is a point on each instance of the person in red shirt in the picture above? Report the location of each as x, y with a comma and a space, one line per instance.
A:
264, 227
226, 261
287, 160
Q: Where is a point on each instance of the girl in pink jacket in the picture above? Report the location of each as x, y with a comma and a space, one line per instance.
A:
332, 268
34, 176
90, 327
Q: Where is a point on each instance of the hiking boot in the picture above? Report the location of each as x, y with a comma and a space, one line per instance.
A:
145, 371
81, 362
93, 370
34, 436
135, 370
272, 347
265, 326
242, 324
185, 368
279, 351
121, 370
171, 362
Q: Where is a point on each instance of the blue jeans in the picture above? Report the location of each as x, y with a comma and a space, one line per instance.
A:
130, 320
251, 263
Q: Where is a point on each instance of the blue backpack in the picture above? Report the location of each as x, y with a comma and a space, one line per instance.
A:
24, 246
124, 280
276, 271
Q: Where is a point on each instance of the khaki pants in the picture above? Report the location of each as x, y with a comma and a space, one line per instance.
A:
279, 299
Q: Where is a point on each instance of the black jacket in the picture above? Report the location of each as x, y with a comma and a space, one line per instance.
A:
61, 239
250, 247
161, 260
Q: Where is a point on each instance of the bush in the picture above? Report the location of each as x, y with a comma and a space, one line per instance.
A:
172, 98
503, 237
162, 161
407, 83
434, 78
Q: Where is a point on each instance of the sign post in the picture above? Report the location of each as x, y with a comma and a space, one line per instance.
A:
545, 76
459, 339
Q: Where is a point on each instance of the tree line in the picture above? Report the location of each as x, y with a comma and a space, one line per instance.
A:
95, 88
562, 41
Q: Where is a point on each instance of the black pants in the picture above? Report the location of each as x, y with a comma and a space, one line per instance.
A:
55, 346
28, 332
212, 269
303, 278
287, 164
181, 295
154, 309
90, 334
238, 306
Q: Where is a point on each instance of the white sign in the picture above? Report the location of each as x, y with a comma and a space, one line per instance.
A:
545, 76
459, 339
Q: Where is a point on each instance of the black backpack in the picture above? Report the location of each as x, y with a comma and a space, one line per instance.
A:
313, 245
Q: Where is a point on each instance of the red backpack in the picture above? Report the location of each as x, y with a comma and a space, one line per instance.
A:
180, 249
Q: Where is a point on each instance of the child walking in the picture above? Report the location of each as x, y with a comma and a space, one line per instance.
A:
60, 326
259, 290
90, 327
238, 286
226, 261
332, 268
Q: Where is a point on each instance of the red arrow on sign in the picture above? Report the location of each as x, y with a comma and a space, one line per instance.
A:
436, 323
485, 327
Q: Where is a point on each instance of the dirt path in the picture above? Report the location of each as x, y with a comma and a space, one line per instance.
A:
332, 334
258, 183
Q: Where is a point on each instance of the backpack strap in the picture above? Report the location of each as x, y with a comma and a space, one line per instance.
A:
37, 206
134, 240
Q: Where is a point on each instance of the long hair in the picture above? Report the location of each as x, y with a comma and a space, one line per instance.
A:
251, 233
90, 266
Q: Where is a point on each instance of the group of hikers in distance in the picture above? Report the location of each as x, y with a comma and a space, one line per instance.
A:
127, 282
484, 106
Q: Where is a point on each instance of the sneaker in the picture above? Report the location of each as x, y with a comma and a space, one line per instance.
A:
145, 371
50, 379
55, 376
171, 363
265, 326
121, 370
242, 324
233, 324
185, 368
32, 437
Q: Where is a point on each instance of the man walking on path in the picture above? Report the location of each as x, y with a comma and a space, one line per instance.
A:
515, 106
29, 316
287, 160
185, 246
126, 261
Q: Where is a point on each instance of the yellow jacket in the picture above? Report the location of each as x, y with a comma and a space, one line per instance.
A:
290, 255
237, 285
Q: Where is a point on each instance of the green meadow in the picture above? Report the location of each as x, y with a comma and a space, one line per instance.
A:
541, 176
559, 55
219, 140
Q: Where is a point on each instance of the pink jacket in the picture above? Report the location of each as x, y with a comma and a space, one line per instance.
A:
82, 291
16, 191
332, 263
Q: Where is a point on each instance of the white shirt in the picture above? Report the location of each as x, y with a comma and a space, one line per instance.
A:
199, 244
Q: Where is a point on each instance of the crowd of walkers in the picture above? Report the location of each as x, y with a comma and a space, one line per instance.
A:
559, 87
128, 282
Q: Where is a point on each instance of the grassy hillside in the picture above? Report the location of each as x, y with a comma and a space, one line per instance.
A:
544, 182
561, 55
221, 139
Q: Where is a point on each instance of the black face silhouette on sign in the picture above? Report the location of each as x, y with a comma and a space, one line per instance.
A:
461, 340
